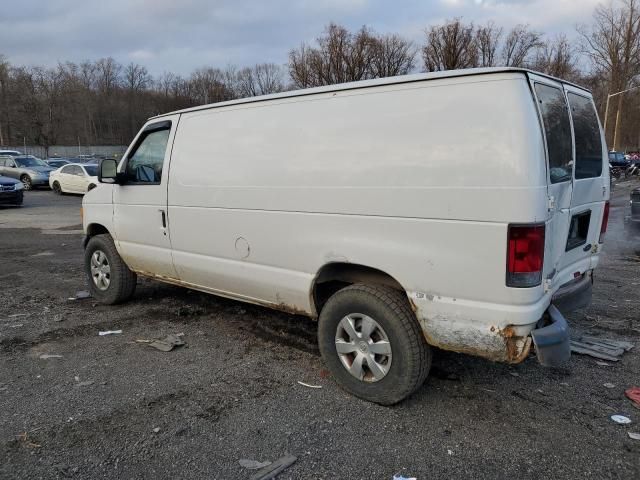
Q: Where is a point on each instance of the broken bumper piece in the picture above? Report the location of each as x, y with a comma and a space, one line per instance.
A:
552, 340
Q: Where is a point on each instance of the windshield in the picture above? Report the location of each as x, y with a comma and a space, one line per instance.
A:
616, 156
30, 162
92, 170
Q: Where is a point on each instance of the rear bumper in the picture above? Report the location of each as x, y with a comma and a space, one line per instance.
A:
551, 339
575, 294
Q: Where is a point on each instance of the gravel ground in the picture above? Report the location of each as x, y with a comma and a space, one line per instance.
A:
109, 407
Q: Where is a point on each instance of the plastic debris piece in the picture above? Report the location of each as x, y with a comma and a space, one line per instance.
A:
253, 464
603, 364
514, 374
109, 332
400, 477
156, 430
633, 394
621, 419
273, 470
308, 385
608, 385
603, 348
168, 343
634, 436
46, 356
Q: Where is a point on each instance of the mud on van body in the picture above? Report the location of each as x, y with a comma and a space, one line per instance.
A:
454, 209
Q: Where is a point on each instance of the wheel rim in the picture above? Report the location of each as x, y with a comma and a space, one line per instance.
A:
100, 270
363, 347
26, 181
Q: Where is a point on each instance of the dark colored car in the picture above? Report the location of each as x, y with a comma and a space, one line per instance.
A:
10, 191
635, 205
616, 159
57, 162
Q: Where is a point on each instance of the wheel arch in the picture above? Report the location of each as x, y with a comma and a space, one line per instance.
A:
338, 275
94, 229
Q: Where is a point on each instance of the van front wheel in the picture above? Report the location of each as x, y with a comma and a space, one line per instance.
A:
110, 280
372, 344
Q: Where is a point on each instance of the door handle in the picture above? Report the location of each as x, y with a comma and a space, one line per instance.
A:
164, 218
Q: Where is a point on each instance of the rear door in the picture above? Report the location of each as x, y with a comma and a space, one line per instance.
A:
556, 130
590, 185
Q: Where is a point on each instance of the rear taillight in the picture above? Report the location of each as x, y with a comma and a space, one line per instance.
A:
605, 221
525, 255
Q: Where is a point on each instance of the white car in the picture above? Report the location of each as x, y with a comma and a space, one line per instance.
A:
74, 178
464, 210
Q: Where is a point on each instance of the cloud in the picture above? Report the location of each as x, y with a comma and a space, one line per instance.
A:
181, 35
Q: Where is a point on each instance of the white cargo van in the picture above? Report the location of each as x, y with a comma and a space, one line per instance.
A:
451, 209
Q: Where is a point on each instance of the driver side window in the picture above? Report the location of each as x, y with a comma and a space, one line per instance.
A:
145, 163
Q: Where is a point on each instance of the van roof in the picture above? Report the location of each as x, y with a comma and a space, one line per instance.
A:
416, 77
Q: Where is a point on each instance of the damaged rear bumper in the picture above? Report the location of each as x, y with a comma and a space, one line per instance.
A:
551, 339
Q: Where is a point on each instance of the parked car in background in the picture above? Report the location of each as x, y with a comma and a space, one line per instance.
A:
13, 153
10, 191
57, 162
74, 178
30, 170
617, 159
635, 205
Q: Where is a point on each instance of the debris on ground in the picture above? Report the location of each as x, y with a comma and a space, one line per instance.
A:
253, 464
309, 386
82, 294
608, 385
605, 349
633, 394
46, 356
86, 383
400, 477
634, 436
621, 419
43, 254
109, 332
165, 344
156, 430
24, 439
271, 471
603, 364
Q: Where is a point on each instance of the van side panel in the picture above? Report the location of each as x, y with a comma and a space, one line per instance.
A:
417, 180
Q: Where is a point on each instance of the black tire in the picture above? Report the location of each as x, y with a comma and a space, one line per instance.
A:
57, 189
26, 181
411, 355
91, 187
122, 281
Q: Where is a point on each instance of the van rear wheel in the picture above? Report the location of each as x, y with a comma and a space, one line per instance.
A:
110, 280
372, 344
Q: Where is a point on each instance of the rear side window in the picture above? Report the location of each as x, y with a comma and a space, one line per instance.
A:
587, 134
557, 130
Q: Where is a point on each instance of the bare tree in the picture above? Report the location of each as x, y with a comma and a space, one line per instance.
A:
557, 57
261, 79
612, 43
518, 46
392, 55
450, 46
487, 41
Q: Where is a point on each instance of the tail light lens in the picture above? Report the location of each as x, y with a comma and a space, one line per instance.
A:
605, 221
525, 255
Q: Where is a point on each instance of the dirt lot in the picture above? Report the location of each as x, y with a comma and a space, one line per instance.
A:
109, 407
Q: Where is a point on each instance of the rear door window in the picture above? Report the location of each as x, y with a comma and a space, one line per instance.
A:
587, 135
557, 130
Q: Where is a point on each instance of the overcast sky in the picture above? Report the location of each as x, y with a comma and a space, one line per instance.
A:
181, 35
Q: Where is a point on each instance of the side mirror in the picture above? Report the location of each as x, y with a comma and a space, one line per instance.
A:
108, 171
